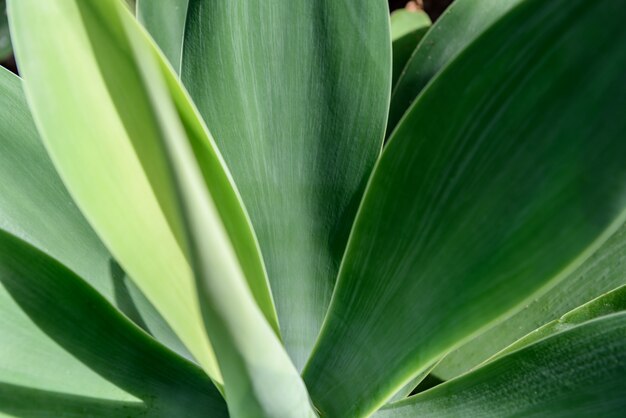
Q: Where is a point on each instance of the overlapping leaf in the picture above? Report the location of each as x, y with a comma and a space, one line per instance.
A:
504, 176
609, 303
296, 95
578, 372
95, 140
35, 207
603, 271
260, 380
407, 29
104, 139
458, 27
66, 352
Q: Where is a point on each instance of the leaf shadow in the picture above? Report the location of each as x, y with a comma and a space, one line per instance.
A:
81, 321
122, 296
28, 402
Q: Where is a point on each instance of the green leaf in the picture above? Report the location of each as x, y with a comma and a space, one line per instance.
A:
407, 29
478, 204
165, 20
35, 206
575, 373
5, 37
602, 272
115, 138
67, 352
462, 23
610, 302
295, 94
260, 380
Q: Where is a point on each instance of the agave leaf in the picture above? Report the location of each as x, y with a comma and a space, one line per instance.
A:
260, 380
462, 23
407, 29
66, 352
578, 372
478, 204
602, 272
165, 20
35, 206
611, 302
5, 36
111, 160
275, 81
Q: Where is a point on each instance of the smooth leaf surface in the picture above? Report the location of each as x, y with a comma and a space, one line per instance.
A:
165, 20
478, 204
602, 272
296, 96
96, 127
407, 29
575, 373
66, 352
259, 378
462, 23
35, 206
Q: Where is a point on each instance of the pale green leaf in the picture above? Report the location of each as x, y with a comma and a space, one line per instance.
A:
575, 373
295, 94
99, 132
505, 175
35, 207
259, 378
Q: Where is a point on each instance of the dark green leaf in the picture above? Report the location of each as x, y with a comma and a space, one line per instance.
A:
462, 23
576, 373
505, 175
611, 302
603, 271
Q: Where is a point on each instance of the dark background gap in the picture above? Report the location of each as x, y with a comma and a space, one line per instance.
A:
434, 8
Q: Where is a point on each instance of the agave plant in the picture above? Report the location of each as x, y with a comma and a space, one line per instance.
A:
198, 216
